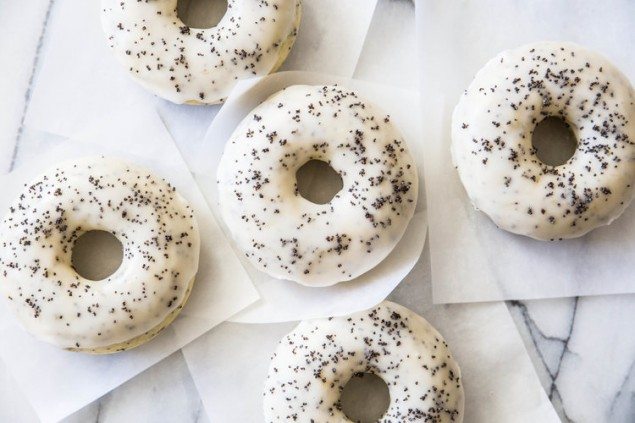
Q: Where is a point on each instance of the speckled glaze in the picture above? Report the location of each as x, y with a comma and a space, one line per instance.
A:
160, 239
289, 237
492, 128
199, 66
313, 363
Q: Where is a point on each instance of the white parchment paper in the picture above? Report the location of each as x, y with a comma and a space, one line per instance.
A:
284, 300
229, 364
58, 382
80, 81
472, 260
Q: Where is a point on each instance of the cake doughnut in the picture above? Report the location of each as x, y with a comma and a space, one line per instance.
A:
160, 239
199, 66
313, 363
288, 236
492, 128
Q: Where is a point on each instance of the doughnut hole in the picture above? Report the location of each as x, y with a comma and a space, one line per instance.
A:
201, 14
554, 141
318, 182
365, 398
96, 255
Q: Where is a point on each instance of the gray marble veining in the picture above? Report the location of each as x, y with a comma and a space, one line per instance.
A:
20, 44
549, 348
584, 353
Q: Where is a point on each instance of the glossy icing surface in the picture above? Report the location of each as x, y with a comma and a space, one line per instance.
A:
314, 362
289, 237
160, 239
492, 140
190, 65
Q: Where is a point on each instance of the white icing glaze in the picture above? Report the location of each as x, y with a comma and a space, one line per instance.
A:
313, 363
160, 242
289, 237
492, 148
189, 65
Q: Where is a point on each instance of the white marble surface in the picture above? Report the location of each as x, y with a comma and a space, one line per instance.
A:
583, 348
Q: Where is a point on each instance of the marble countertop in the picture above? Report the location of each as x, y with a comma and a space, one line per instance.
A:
583, 349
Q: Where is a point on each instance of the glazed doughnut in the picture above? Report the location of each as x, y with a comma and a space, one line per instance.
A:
160, 242
492, 148
289, 237
313, 363
199, 66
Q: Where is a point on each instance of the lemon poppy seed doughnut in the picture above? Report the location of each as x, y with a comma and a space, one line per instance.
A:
492, 147
199, 66
160, 239
288, 236
313, 363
